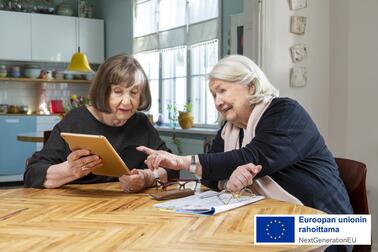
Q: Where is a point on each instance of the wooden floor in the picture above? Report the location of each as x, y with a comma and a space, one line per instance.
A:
104, 218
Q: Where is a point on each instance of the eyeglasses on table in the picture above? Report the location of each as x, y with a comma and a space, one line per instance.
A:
180, 184
228, 197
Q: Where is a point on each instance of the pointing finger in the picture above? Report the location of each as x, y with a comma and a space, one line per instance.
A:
145, 149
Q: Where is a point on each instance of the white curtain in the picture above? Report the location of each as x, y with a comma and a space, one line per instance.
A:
173, 78
172, 14
144, 20
203, 57
149, 61
170, 23
200, 10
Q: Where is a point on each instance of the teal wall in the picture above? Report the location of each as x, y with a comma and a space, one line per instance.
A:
229, 7
118, 19
118, 23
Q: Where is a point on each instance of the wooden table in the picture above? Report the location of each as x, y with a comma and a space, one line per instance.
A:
35, 137
101, 217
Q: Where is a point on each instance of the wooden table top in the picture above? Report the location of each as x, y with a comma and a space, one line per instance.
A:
101, 217
35, 137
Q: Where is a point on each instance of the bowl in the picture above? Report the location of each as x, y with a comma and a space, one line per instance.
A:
3, 108
68, 76
88, 76
24, 109
32, 73
65, 9
13, 109
15, 74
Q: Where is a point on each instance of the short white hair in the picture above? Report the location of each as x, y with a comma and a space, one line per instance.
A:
240, 69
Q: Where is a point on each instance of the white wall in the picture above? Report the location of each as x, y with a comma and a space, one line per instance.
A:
342, 41
354, 87
277, 62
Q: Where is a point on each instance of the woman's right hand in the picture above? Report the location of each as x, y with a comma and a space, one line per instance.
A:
160, 158
80, 163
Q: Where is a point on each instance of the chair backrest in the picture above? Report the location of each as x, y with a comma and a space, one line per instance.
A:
353, 173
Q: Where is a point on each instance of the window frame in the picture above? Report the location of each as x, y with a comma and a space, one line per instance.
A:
189, 75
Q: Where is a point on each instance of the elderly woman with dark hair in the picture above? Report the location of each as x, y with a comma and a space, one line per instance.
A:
119, 90
267, 143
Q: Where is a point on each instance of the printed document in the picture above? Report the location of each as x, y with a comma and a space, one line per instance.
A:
207, 203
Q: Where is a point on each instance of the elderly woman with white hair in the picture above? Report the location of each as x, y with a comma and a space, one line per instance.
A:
267, 143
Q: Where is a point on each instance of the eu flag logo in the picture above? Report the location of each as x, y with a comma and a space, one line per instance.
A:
274, 229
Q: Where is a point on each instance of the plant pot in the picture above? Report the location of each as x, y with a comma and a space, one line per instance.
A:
185, 119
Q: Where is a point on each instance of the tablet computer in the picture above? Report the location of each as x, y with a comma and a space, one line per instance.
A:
113, 164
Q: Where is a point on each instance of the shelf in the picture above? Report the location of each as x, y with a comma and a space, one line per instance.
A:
45, 81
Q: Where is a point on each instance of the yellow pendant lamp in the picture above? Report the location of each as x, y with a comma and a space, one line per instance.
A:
79, 61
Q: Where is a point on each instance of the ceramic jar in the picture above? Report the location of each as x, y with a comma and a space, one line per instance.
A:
3, 71
65, 9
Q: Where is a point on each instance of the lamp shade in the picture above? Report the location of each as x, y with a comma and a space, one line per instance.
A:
79, 63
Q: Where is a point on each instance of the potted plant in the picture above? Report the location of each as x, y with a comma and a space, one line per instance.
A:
185, 117
172, 117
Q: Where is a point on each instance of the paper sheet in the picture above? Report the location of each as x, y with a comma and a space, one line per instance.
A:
206, 203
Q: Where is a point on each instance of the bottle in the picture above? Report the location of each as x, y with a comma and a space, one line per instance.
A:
42, 107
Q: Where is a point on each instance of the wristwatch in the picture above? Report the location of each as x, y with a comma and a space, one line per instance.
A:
193, 166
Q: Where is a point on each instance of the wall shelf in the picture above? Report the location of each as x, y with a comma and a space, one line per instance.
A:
45, 81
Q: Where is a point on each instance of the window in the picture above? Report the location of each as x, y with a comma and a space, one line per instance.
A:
176, 41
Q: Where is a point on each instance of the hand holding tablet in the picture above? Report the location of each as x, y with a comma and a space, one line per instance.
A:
113, 165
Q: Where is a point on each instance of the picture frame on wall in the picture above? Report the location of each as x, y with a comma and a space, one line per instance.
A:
298, 77
298, 52
297, 4
298, 25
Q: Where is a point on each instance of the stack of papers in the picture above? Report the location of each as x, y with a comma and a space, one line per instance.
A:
206, 203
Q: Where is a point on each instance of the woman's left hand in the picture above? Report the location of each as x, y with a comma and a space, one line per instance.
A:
242, 177
134, 182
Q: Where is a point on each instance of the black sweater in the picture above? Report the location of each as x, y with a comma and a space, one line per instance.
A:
291, 151
137, 131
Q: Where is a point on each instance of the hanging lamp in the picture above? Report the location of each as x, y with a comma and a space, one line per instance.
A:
79, 61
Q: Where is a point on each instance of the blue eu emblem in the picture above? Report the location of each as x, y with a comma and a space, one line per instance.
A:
274, 229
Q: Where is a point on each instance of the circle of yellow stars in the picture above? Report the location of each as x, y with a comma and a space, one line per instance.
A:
275, 236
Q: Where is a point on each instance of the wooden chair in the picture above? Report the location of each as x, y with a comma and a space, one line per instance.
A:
353, 173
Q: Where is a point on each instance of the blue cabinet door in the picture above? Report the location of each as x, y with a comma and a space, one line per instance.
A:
13, 153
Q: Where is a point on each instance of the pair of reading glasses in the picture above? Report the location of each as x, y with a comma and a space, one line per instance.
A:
179, 183
227, 197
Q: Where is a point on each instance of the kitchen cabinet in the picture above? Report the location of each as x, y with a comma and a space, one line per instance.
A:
53, 37
15, 42
33, 81
13, 153
91, 41
49, 38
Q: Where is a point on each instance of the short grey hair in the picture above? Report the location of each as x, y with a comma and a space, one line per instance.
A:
240, 69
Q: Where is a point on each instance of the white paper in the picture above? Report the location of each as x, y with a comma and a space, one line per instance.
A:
206, 203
